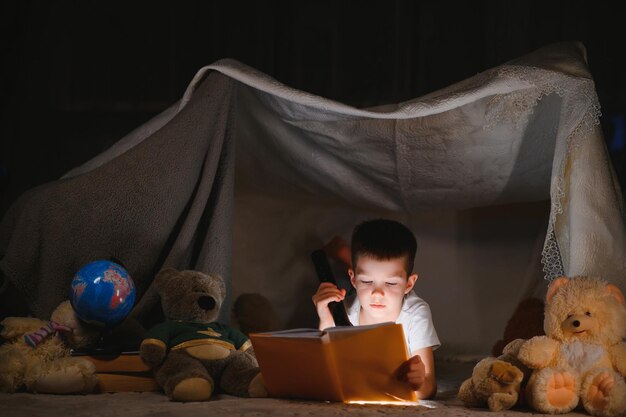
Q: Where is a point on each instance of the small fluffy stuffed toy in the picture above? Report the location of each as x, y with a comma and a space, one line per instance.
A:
190, 352
495, 382
582, 357
35, 354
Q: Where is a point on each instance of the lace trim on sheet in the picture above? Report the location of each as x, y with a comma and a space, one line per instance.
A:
515, 109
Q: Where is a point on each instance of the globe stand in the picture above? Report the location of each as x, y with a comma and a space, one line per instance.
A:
125, 337
106, 342
111, 342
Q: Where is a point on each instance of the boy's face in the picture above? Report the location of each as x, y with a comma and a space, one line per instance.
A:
380, 286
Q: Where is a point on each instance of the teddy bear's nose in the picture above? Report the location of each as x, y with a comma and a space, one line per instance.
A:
576, 323
206, 303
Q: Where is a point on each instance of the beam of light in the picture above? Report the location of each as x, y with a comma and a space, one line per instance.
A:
396, 401
400, 403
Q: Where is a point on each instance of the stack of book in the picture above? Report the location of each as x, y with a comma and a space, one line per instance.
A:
121, 372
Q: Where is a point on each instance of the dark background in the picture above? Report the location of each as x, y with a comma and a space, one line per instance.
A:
78, 75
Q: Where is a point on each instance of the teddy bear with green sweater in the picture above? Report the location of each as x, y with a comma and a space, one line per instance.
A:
191, 354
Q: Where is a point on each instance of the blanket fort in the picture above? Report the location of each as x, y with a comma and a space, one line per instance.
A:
165, 194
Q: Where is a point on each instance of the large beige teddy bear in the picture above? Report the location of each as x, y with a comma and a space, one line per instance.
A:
496, 382
193, 355
582, 357
36, 354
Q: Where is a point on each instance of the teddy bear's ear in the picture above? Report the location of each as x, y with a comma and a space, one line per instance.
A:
163, 277
613, 291
554, 286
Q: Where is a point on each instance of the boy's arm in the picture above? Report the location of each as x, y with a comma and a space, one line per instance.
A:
419, 372
338, 249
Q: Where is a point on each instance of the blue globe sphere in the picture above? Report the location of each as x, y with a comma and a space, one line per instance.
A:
102, 293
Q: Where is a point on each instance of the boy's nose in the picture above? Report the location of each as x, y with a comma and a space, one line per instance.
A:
378, 290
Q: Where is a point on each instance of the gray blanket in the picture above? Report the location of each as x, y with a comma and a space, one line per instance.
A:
165, 202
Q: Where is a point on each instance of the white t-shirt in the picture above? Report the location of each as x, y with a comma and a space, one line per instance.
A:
414, 317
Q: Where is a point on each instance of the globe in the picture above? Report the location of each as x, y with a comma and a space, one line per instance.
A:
102, 293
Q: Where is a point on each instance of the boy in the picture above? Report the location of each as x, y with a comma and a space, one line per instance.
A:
382, 257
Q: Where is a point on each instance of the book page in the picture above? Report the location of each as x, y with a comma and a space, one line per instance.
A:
303, 333
296, 367
338, 332
367, 360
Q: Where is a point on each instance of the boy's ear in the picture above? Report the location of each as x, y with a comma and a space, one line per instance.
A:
352, 277
410, 283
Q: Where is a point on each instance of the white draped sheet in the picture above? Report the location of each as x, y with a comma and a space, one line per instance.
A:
466, 167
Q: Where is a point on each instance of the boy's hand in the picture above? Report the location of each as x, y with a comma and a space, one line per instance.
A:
413, 371
327, 293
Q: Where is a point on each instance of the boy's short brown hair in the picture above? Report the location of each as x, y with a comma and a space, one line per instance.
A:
384, 239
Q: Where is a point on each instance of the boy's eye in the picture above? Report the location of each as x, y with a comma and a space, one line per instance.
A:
366, 282
391, 284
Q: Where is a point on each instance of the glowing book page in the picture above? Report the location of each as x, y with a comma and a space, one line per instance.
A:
296, 365
369, 358
357, 363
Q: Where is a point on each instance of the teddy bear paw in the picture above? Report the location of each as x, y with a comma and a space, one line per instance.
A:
257, 387
505, 373
193, 389
604, 395
561, 392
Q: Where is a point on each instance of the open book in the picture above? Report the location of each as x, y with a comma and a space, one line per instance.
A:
358, 363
